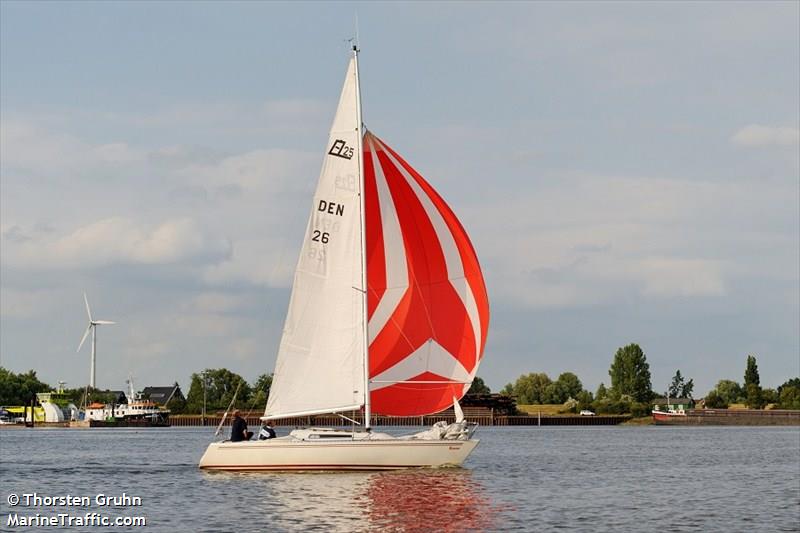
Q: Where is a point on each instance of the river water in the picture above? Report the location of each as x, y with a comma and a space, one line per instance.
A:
518, 479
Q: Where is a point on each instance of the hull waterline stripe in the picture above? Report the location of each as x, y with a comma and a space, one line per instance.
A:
316, 467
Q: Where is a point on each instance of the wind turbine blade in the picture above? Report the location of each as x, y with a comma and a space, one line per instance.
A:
86, 334
88, 311
103, 322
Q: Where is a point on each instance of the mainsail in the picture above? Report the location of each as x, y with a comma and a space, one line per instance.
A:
320, 360
427, 303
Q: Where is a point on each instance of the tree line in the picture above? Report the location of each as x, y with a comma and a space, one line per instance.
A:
631, 389
751, 394
212, 390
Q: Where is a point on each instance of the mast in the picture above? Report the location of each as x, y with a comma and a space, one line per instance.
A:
94, 357
362, 195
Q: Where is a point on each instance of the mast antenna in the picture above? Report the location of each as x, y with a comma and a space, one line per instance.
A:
354, 43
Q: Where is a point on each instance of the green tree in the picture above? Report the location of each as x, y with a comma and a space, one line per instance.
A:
751, 373
769, 396
752, 385
585, 400
630, 374
714, 400
508, 390
680, 388
177, 406
18, 389
789, 394
794, 382
601, 393
611, 406
730, 391
221, 385
478, 387
755, 398
566, 386
260, 391
677, 385
530, 388
687, 389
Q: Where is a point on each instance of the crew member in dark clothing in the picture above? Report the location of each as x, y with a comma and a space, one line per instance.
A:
266, 432
239, 428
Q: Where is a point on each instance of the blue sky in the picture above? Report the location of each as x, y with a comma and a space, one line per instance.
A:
628, 173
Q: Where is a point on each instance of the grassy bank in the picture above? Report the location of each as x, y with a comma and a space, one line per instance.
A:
544, 409
640, 421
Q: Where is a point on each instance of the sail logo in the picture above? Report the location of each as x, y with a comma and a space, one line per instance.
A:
340, 149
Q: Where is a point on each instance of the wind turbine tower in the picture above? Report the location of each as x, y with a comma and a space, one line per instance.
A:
93, 327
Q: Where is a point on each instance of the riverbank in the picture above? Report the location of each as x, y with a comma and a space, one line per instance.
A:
734, 417
481, 416
695, 417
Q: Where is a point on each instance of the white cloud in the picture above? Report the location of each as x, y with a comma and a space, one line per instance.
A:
27, 303
586, 239
213, 302
120, 240
669, 277
26, 145
257, 262
758, 135
264, 170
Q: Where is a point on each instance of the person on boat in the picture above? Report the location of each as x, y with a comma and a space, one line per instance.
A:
239, 428
266, 432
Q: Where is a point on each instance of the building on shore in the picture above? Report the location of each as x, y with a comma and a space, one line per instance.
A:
164, 395
673, 404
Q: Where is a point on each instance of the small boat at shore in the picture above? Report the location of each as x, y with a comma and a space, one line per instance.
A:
137, 411
388, 314
660, 416
9, 418
670, 408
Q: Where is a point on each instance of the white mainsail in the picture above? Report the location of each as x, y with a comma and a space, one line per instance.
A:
320, 365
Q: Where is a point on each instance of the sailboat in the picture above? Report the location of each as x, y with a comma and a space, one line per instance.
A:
388, 314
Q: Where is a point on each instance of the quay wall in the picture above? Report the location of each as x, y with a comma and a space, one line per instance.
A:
429, 420
734, 417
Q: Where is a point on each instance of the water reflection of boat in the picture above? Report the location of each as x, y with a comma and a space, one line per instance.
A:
440, 500
448, 499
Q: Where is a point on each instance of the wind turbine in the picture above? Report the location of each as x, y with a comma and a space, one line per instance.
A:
93, 327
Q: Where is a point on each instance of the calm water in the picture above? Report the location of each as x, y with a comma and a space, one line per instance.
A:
521, 479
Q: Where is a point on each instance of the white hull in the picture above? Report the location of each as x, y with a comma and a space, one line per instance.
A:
290, 454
